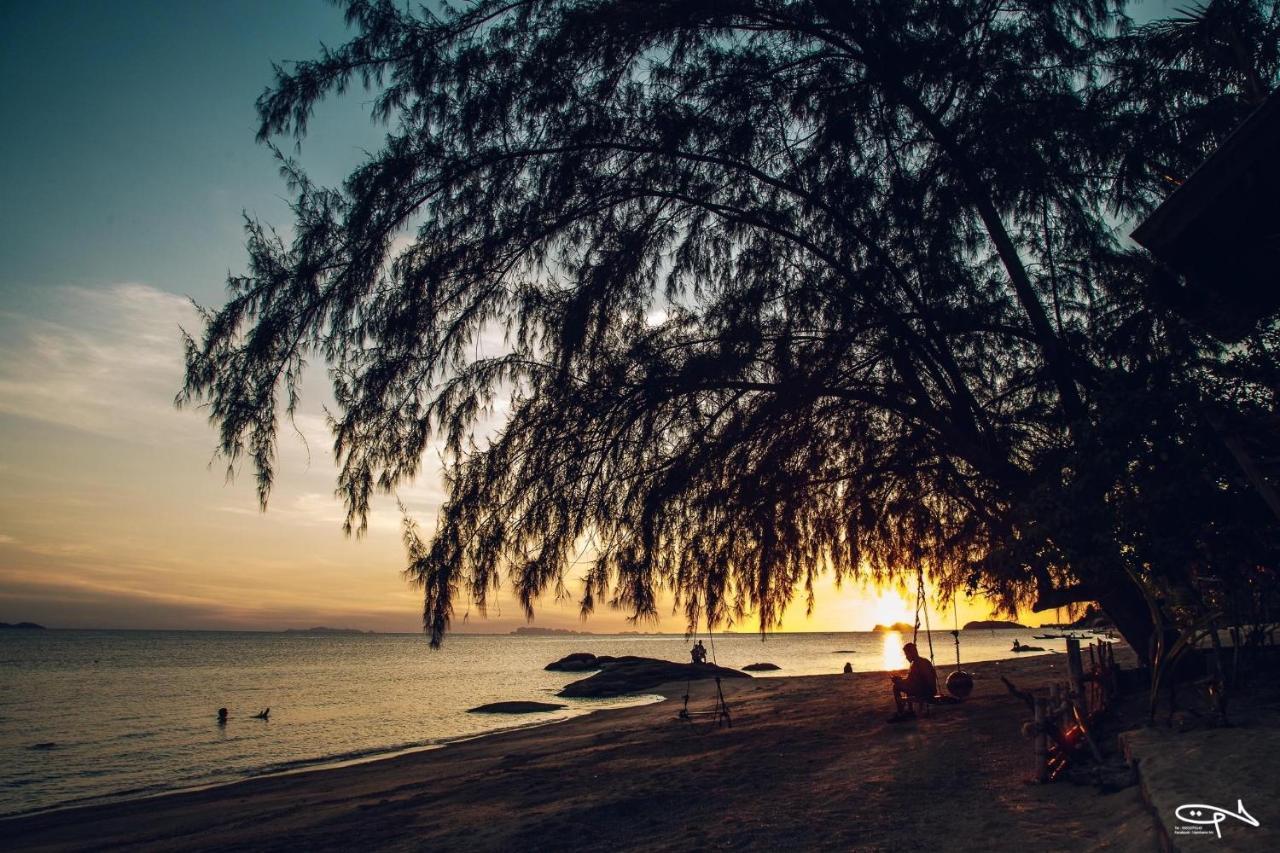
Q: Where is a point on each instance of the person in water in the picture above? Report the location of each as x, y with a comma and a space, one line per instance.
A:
222, 716
1016, 644
698, 653
264, 714
920, 682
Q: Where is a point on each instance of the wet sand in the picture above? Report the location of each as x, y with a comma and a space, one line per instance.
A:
810, 764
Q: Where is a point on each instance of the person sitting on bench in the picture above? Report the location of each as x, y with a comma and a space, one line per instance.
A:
920, 683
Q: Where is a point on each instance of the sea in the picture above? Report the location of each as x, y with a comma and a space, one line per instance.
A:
101, 716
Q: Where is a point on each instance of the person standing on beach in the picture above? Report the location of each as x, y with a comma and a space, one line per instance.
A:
920, 682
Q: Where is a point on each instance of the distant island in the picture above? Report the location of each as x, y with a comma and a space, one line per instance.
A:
25, 626
900, 627
323, 630
991, 623
529, 631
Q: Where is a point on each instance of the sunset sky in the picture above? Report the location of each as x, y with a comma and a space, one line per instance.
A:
129, 156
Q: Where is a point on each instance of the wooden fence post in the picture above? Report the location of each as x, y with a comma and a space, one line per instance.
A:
1042, 743
1076, 667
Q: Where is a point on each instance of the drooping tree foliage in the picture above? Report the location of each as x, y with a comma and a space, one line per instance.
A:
765, 288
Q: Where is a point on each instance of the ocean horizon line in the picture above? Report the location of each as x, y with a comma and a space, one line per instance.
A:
549, 634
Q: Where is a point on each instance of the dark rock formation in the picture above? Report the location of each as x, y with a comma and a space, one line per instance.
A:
760, 667
620, 676
578, 662
516, 708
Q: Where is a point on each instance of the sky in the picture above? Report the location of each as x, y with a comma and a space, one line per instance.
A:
127, 164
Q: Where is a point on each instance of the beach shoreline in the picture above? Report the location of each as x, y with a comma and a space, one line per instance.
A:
333, 762
839, 777
337, 758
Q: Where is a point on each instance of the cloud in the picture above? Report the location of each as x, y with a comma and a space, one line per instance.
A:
261, 594
324, 509
131, 534
314, 509
108, 362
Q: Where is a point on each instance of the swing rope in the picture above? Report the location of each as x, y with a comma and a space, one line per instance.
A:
711, 635
955, 611
959, 683
688, 684
721, 711
922, 605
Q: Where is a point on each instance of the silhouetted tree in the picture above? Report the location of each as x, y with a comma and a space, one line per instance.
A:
781, 288
1182, 84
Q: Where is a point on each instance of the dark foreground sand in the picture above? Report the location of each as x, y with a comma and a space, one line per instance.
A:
810, 764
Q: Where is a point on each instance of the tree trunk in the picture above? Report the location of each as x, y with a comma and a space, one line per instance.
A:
1125, 605
1118, 596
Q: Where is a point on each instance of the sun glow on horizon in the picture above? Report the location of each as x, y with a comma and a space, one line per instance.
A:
889, 606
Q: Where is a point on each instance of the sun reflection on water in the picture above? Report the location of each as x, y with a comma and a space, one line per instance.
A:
893, 657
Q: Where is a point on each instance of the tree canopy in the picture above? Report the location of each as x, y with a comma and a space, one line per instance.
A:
783, 287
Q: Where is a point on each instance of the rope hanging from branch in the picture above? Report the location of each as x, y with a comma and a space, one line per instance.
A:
922, 605
721, 711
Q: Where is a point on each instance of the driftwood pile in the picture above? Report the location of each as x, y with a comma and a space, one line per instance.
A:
1065, 714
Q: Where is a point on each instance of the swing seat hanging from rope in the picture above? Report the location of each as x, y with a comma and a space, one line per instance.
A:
720, 713
959, 683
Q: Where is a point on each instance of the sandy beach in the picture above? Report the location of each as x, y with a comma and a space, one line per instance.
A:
809, 764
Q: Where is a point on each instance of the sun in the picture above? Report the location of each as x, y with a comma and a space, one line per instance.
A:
889, 607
